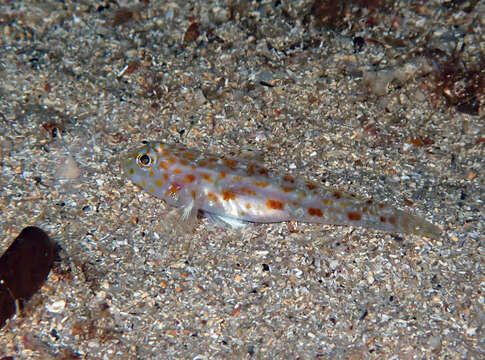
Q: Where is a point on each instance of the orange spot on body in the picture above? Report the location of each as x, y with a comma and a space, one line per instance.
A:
206, 177
327, 202
337, 195
222, 174
261, 183
202, 163
164, 165
392, 221
248, 206
263, 172
302, 195
311, 185
251, 169
189, 178
354, 216
364, 209
274, 204
228, 195
194, 194
230, 163
381, 205
184, 162
369, 202
165, 176
177, 171
212, 196
174, 188
289, 179
189, 155
287, 188
315, 212
248, 191
383, 219
172, 160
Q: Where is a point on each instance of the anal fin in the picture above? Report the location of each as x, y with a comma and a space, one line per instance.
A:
225, 221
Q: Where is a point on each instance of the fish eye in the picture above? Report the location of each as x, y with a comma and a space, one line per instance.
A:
144, 160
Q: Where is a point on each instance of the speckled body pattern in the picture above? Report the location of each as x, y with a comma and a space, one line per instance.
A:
232, 188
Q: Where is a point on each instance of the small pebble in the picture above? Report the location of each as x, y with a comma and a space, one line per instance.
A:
68, 170
57, 307
434, 342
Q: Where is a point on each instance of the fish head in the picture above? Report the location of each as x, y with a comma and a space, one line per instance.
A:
139, 165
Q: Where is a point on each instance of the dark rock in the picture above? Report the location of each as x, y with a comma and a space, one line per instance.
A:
24, 268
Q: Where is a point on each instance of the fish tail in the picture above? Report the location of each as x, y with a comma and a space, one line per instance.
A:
413, 224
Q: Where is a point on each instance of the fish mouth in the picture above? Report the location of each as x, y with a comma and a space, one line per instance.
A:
127, 161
